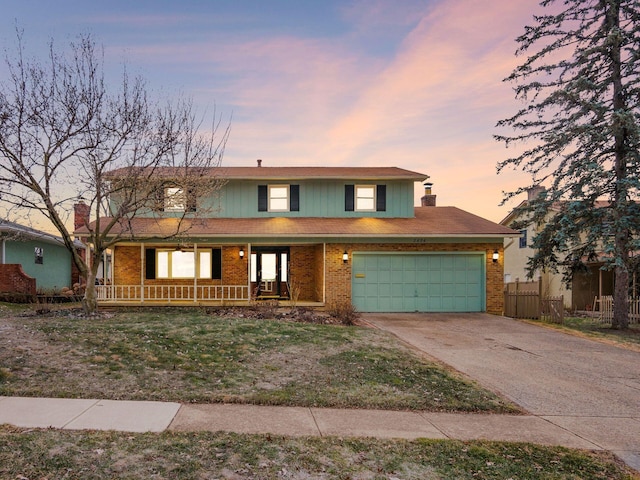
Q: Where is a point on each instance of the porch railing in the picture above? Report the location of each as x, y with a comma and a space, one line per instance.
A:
171, 293
606, 309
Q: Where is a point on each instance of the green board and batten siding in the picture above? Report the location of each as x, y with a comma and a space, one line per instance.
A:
418, 282
317, 199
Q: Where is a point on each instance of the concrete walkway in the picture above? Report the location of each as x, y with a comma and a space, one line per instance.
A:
584, 387
132, 416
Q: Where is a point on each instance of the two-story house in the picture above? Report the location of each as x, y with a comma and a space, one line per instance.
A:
313, 235
585, 288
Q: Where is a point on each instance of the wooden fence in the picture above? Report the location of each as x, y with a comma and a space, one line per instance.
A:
527, 301
606, 309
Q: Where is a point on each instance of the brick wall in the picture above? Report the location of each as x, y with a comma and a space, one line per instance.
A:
14, 280
339, 274
234, 269
127, 268
308, 265
303, 271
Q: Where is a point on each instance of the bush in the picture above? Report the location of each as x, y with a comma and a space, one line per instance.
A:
344, 312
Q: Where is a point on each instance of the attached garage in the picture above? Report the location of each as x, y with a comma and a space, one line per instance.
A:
418, 282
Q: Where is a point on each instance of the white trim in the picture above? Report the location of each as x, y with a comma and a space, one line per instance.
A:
287, 197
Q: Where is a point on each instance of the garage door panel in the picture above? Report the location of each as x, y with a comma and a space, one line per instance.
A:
418, 282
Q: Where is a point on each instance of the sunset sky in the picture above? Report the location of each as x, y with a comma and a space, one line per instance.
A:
415, 84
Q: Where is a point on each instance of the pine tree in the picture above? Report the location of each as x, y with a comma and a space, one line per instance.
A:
580, 129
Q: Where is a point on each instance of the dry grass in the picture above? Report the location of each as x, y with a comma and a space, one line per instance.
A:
192, 356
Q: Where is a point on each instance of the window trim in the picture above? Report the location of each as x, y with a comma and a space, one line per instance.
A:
357, 198
175, 202
271, 198
38, 253
523, 239
196, 264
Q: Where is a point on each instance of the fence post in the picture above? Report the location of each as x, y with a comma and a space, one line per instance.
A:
517, 298
539, 298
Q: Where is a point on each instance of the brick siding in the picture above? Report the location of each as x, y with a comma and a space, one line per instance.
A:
307, 268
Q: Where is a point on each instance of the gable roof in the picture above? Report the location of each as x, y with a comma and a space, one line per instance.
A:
433, 222
286, 173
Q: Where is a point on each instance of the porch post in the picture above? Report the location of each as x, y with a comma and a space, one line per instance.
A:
142, 270
196, 273
248, 272
324, 273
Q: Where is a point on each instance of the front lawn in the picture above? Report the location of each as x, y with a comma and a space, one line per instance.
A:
191, 356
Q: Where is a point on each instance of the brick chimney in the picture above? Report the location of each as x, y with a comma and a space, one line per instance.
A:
259, 162
535, 192
81, 214
428, 200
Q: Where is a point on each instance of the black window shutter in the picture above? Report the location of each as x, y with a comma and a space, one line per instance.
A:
150, 263
262, 198
294, 201
348, 198
158, 200
381, 198
191, 200
216, 264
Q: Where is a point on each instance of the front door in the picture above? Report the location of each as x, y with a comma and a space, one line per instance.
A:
269, 272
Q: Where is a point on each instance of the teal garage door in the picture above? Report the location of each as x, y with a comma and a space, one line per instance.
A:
442, 282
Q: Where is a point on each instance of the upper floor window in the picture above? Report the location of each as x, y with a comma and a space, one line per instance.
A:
365, 198
523, 238
176, 199
278, 198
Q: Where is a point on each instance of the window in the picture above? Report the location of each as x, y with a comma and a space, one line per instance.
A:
183, 264
523, 238
39, 255
365, 198
175, 199
278, 198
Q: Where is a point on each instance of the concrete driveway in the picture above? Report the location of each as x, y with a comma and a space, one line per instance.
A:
587, 387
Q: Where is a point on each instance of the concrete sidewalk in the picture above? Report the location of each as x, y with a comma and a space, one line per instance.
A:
144, 416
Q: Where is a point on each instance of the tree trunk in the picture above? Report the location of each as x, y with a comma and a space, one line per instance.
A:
621, 192
621, 298
90, 300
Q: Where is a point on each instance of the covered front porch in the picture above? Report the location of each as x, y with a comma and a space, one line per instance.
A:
212, 274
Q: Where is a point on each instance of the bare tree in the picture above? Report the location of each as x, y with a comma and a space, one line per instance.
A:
63, 132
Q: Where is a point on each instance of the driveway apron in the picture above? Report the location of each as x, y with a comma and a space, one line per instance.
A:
587, 387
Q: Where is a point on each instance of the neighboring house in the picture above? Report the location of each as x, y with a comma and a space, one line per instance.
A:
585, 288
38, 255
310, 235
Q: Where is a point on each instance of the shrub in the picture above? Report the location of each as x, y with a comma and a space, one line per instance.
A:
344, 312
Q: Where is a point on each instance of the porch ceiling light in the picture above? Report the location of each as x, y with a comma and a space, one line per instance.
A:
241, 253
345, 257
495, 256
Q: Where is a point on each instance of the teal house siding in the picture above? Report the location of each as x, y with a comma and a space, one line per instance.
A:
55, 270
317, 199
